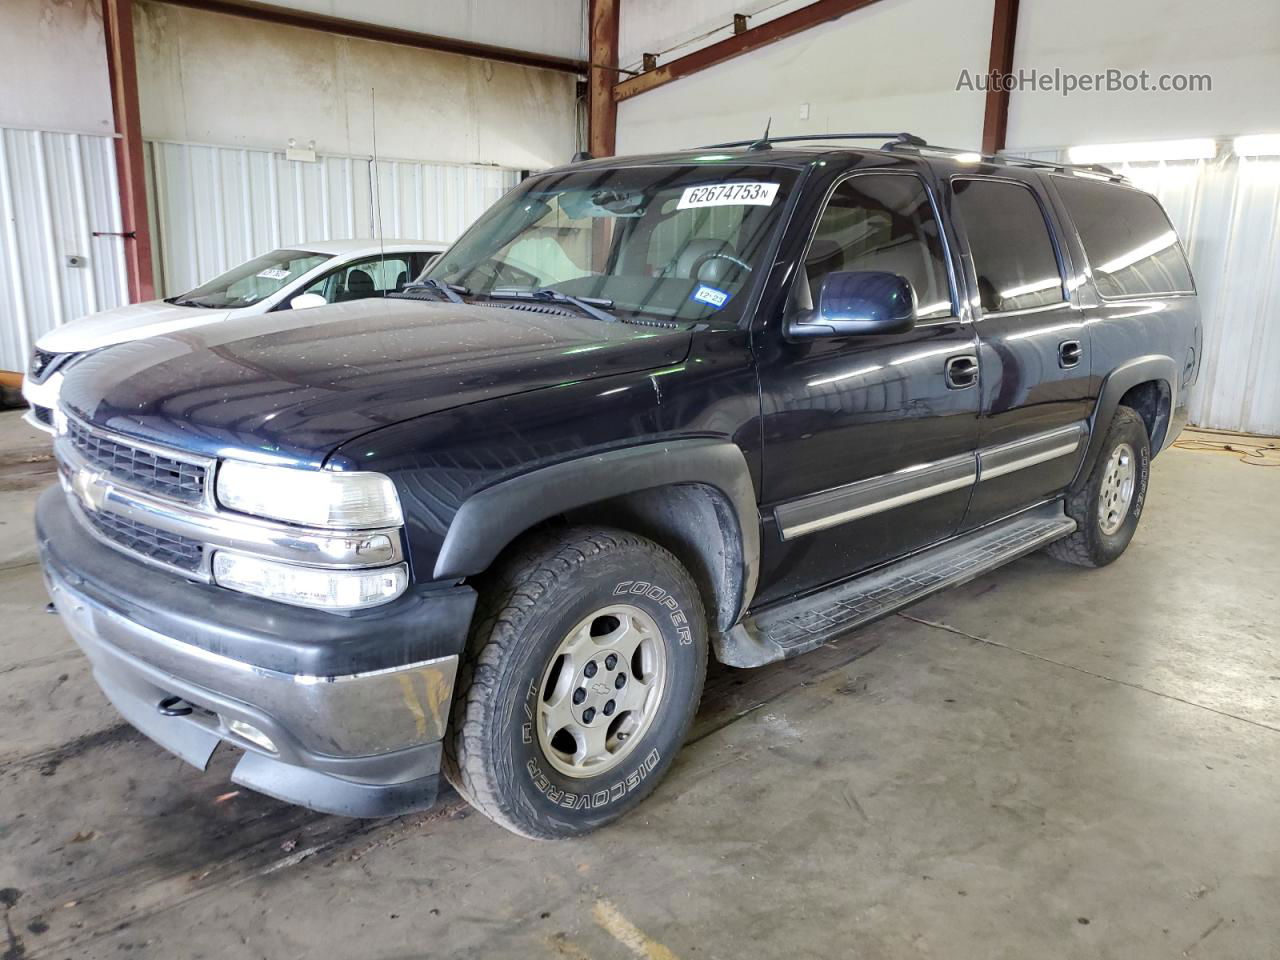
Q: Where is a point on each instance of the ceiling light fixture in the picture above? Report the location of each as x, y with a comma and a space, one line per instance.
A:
1198, 149
1257, 145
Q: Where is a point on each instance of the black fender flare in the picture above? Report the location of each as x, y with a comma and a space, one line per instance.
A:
1117, 383
490, 519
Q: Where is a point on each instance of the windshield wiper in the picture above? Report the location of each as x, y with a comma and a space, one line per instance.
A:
596, 307
451, 291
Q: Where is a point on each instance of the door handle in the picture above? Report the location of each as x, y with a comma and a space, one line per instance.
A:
962, 371
1069, 352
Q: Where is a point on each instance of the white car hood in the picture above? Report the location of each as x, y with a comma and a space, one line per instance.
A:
132, 322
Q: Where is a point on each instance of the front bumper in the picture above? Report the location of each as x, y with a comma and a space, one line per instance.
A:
41, 399
354, 707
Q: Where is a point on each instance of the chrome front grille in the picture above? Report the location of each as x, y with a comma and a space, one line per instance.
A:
157, 505
138, 467
148, 542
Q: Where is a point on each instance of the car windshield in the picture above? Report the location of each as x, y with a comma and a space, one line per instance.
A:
253, 281
675, 242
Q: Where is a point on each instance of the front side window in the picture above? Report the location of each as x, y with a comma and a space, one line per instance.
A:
1013, 255
879, 222
1131, 246
374, 276
253, 281
679, 242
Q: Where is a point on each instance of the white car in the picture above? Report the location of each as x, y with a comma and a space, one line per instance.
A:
291, 278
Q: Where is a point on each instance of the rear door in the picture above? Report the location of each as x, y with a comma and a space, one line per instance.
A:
1033, 346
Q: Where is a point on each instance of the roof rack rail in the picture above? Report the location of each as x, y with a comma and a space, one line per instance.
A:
762, 143
1093, 168
915, 144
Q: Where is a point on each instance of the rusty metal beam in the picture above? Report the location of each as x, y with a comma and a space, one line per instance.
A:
122, 70
1004, 31
754, 38
363, 30
602, 108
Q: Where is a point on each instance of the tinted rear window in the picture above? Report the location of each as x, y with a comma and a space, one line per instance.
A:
1009, 239
1129, 241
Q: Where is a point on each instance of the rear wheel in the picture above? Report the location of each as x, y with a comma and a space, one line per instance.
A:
583, 673
1109, 504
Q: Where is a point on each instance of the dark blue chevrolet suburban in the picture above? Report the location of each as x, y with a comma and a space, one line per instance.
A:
730, 402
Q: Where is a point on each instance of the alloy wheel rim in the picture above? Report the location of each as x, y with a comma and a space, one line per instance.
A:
601, 690
1116, 494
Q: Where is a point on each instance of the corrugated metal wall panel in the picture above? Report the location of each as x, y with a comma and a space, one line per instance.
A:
56, 190
1227, 212
218, 206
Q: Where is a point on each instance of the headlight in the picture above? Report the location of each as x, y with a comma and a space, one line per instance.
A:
309, 586
315, 498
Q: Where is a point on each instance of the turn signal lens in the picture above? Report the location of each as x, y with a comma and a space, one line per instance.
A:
309, 586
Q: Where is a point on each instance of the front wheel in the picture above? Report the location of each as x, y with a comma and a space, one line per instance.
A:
583, 674
1107, 507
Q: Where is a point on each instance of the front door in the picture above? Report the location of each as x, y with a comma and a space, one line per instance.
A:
1033, 347
868, 441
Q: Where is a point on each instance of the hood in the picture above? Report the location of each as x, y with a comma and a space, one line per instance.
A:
293, 385
132, 322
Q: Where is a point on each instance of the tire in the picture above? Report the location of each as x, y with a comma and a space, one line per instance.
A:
516, 681
1098, 541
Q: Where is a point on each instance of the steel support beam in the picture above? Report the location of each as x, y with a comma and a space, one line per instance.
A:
1004, 30
371, 31
754, 38
602, 108
117, 19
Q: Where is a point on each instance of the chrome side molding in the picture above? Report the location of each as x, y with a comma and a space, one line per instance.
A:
1018, 455
838, 505
830, 508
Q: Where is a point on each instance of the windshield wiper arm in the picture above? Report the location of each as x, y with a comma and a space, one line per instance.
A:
592, 306
450, 290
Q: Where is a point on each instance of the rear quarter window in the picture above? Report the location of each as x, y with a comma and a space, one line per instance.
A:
1131, 246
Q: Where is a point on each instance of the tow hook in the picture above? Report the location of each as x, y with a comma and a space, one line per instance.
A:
174, 707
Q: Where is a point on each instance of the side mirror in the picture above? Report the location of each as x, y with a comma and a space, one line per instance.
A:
858, 303
304, 300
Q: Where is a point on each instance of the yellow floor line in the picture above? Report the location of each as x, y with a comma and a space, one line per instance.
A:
628, 934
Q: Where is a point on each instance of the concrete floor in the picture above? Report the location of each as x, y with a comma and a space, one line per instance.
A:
1048, 762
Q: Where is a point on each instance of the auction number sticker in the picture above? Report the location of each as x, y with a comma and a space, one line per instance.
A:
728, 194
274, 273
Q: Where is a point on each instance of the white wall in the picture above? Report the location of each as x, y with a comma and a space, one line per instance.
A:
553, 27
210, 78
1237, 42
53, 66
891, 66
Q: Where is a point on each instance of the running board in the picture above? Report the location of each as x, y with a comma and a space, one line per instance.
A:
798, 626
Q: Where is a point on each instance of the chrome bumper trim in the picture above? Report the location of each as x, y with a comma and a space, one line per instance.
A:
356, 715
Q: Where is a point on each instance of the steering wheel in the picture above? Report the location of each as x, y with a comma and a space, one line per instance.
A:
708, 257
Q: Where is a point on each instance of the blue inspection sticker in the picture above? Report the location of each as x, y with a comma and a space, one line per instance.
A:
710, 296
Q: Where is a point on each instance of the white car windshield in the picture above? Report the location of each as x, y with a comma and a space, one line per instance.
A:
253, 281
